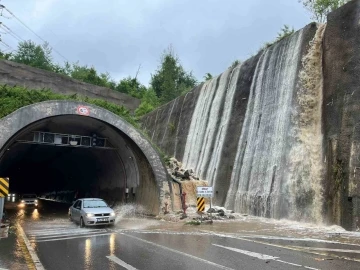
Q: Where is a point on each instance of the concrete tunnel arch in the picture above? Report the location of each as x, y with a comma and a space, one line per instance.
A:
153, 194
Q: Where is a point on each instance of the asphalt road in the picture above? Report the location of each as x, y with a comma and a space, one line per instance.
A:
131, 244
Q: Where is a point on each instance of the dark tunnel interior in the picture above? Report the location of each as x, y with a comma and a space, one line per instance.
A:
40, 159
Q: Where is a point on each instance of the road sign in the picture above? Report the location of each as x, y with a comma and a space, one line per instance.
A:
83, 110
204, 192
4, 187
201, 204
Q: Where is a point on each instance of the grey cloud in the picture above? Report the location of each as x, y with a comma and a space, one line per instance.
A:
117, 36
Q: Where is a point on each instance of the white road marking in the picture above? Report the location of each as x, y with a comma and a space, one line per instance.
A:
52, 229
179, 252
64, 232
35, 238
120, 262
262, 256
74, 237
3, 269
330, 249
249, 253
33, 255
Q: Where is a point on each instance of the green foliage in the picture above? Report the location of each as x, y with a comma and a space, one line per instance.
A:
13, 98
5, 56
88, 75
168, 82
29, 53
235, 63
208, 76
171, 127
170, 79
284, 32
149, 102
321, 8
131, 86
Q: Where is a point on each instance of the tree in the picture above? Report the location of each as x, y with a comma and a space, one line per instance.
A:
89, 75
29, 53
321, 8
131, 86
208, 76
284, 32
5, 56
149, 102
170, 79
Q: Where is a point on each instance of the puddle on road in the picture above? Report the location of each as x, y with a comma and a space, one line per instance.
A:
134, 217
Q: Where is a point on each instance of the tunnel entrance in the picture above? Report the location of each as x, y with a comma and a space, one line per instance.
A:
57, 148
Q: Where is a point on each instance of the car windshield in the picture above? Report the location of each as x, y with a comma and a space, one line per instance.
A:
94, 204
29, 196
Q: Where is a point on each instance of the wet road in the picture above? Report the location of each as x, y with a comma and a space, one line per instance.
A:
136, 243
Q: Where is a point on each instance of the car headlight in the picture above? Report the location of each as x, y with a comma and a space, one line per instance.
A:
22, 201
36, 201
112, 214
89, 215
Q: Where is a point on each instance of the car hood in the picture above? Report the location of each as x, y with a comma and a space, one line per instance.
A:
98, 210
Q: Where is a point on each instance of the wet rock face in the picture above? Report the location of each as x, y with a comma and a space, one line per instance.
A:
341, 110
246, 131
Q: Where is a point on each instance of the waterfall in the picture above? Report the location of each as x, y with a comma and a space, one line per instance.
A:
261, 170
306, 167
209, 124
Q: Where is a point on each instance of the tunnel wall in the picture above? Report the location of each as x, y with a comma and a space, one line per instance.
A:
154, 193
12, 73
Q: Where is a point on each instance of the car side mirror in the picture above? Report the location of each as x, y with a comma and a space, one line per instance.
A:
78, 207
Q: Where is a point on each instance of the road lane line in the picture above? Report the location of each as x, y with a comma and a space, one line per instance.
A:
66, 238
66, 232
34, 257
179, 252
120, 262
249, 253
261, 256
63, 235
329, 249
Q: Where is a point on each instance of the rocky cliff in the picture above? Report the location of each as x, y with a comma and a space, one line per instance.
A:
279, 135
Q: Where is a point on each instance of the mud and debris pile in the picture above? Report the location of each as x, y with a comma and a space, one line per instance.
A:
189, 181
176, 171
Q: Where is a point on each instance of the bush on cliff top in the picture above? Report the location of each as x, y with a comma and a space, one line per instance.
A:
15, 97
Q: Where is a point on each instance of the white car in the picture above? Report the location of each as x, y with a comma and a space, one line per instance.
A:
91, 212
29, 200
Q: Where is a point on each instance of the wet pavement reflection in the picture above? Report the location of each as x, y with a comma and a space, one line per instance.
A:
49, 223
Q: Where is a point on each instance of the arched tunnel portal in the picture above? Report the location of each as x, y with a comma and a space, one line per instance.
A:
58, 146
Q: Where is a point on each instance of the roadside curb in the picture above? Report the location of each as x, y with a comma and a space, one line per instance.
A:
38, 265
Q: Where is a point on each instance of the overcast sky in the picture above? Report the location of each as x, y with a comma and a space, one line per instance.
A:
119, 35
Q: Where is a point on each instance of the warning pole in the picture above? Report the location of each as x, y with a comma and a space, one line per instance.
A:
4, 191
1, 209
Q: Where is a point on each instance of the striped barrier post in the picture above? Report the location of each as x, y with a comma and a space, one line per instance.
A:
4, 191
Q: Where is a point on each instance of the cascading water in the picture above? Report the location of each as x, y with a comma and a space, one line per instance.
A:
209, 124
271, 177
307, 170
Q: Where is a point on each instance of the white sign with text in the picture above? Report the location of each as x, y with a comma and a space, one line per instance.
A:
204, 192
